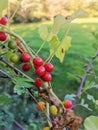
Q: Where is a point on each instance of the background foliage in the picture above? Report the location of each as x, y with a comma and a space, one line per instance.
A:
66, 80
41, 10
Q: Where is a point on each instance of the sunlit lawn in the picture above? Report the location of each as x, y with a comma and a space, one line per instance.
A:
81, 49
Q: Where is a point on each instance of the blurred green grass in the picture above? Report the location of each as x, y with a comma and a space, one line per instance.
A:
80, 51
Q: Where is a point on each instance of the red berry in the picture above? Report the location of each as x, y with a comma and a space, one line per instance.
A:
37, 61
3, 20
25, 57
26, 67
40, 71
49, 67
68, 104
47, 77
3, 36
38, 83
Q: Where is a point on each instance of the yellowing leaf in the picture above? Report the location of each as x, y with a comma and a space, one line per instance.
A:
59, 21
64, 46
53, 44
3, 5
43, 32
77, 14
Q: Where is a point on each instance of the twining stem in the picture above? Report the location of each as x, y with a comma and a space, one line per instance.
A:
84, 78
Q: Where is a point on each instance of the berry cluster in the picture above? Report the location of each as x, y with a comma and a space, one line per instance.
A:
43, 71
12, 44
3, 35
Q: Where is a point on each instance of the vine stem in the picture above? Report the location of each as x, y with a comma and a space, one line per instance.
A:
84, 78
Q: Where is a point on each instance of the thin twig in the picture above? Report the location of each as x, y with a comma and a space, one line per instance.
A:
15, 69
19, 125
3, 77
30, 93
84, 78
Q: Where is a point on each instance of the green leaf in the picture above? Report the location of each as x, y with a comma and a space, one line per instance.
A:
5, 99
69, 97
19, 79
64, 46
21, 84
3, 5
91, 98
91, 123
59, 21
19, 89
73, 77
43, 32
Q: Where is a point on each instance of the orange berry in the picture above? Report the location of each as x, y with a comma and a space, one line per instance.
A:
40, 106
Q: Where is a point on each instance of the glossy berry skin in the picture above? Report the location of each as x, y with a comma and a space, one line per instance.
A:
67, 104
3, 20
40, 71
49, 67
37, 61
47, 77
3, 36
25, 57
26, 67
40, 106
38, 83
